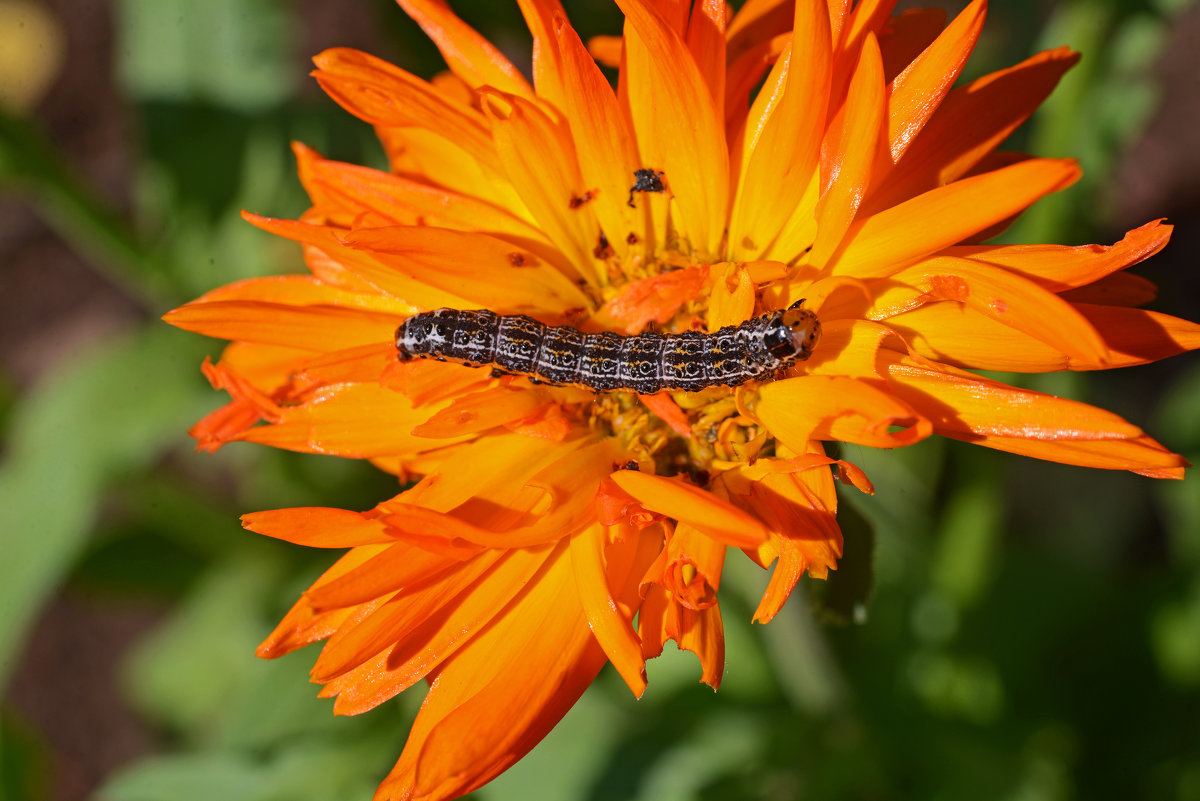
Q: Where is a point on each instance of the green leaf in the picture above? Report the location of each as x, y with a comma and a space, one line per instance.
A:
191, 669
110, 412
194, 777
236, 53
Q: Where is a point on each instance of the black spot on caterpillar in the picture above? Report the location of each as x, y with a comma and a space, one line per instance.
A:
644, 363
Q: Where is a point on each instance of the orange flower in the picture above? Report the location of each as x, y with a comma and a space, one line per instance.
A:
543, 519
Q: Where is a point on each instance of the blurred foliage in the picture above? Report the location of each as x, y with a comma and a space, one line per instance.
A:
998, 629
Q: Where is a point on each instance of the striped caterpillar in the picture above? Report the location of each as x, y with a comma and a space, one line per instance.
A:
644, 363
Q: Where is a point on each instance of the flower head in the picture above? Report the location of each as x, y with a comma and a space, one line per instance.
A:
544, 519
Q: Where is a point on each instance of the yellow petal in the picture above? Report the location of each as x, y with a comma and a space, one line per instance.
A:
488, 272
541, 164
603, 136
849, 152
783, 135
677, 125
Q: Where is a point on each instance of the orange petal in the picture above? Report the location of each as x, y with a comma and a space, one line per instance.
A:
479, 411
425, 381
1011, 300
426, 156
540, 16
548, 422
796, 410
490, 272
313, 328
971, 123
604, 139
655, 298
485, 708
896, 237
666, 409
330, 254
975, 409
470, 56
964, 337
661, 618
383, 94
357, 365
569, 483
1139, 454
436, 638
492, 472
1118, 289
398, 200
358, 421
303, 290
849, 348
1138, 336
317, 527
688, 503
706, 41
302, 626
542, 166
783, 135
732, 299
677, 125
404, 611
800, 510
849, 151
906, 35
1060, 267
918, 90
398, 567
613, 630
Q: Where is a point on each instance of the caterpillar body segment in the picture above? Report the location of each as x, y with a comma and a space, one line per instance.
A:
643, 363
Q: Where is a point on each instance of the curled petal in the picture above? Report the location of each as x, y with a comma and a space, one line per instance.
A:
689, 567
972, 408
688, 503
702, 632
613, 629
833, 407
1060, 267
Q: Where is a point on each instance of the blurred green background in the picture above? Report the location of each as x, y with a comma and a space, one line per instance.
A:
999, 628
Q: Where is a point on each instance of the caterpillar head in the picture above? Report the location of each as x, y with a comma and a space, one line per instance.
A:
794, 334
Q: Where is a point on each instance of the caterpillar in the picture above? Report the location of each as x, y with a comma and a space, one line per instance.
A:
644, 363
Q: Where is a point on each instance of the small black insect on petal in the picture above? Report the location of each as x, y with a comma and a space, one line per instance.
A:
646, 180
